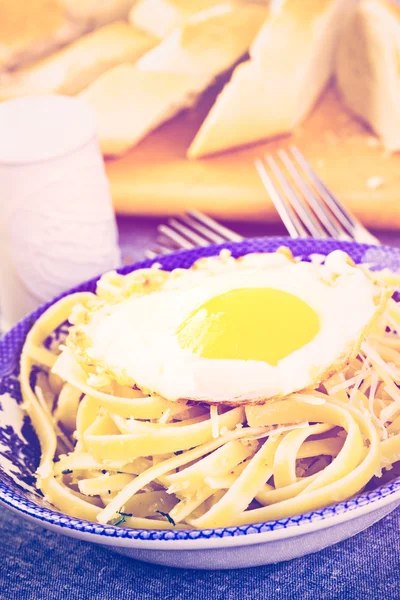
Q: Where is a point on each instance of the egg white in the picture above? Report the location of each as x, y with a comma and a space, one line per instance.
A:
137, 337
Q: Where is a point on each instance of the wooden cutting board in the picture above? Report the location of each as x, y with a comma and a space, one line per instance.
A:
156, 178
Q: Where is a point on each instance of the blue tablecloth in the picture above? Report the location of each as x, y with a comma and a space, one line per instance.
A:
36, 564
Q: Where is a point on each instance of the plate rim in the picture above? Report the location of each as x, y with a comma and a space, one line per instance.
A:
250, 539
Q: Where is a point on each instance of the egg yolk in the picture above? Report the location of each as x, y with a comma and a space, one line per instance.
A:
262, 324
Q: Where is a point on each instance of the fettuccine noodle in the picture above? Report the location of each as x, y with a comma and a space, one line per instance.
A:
112, 454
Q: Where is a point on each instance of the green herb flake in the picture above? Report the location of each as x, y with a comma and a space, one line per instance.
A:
124, 514
103, 471
167, 516
119, 520
178, 452
66, 471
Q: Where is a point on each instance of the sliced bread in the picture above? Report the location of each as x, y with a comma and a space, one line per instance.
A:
292, 60
367, 68
73, 68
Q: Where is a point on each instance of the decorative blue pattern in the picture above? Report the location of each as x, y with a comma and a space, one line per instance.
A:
23, 449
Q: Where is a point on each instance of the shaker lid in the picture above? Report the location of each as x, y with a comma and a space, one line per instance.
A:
38, 128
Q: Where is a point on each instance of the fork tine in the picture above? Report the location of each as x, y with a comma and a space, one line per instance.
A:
226, 233
172, 235
167, 243
208, 233
191, 230
158, 250
341, 214
192, 236
289, 218
352, 225
331, 225
302, 210
151, 253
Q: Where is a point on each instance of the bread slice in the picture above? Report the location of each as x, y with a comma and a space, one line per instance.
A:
30, 29
208, 43
95, 13
73, 68
292, 60
367, 68
131, 102
160, 17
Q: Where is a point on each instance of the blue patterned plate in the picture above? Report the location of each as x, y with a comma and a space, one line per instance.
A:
228, 547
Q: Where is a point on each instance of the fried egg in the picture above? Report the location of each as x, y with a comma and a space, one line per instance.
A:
234, 331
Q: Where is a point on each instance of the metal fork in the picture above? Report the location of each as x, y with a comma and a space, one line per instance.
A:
190, 230
306, 206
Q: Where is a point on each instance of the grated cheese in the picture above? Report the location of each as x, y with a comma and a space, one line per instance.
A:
275, 431
376, 359
165, 416
388, 412
343, 385
214, 421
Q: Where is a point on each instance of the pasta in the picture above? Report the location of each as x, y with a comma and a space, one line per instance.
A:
111, 453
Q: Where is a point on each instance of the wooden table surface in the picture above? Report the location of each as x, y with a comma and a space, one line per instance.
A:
155, 178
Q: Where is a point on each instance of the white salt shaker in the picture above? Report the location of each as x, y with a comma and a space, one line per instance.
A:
57, 226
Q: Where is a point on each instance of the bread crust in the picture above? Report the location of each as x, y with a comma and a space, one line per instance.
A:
71, 69
31, 29
266, 96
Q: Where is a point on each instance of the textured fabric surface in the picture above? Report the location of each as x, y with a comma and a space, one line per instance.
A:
36, 564
39, 565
